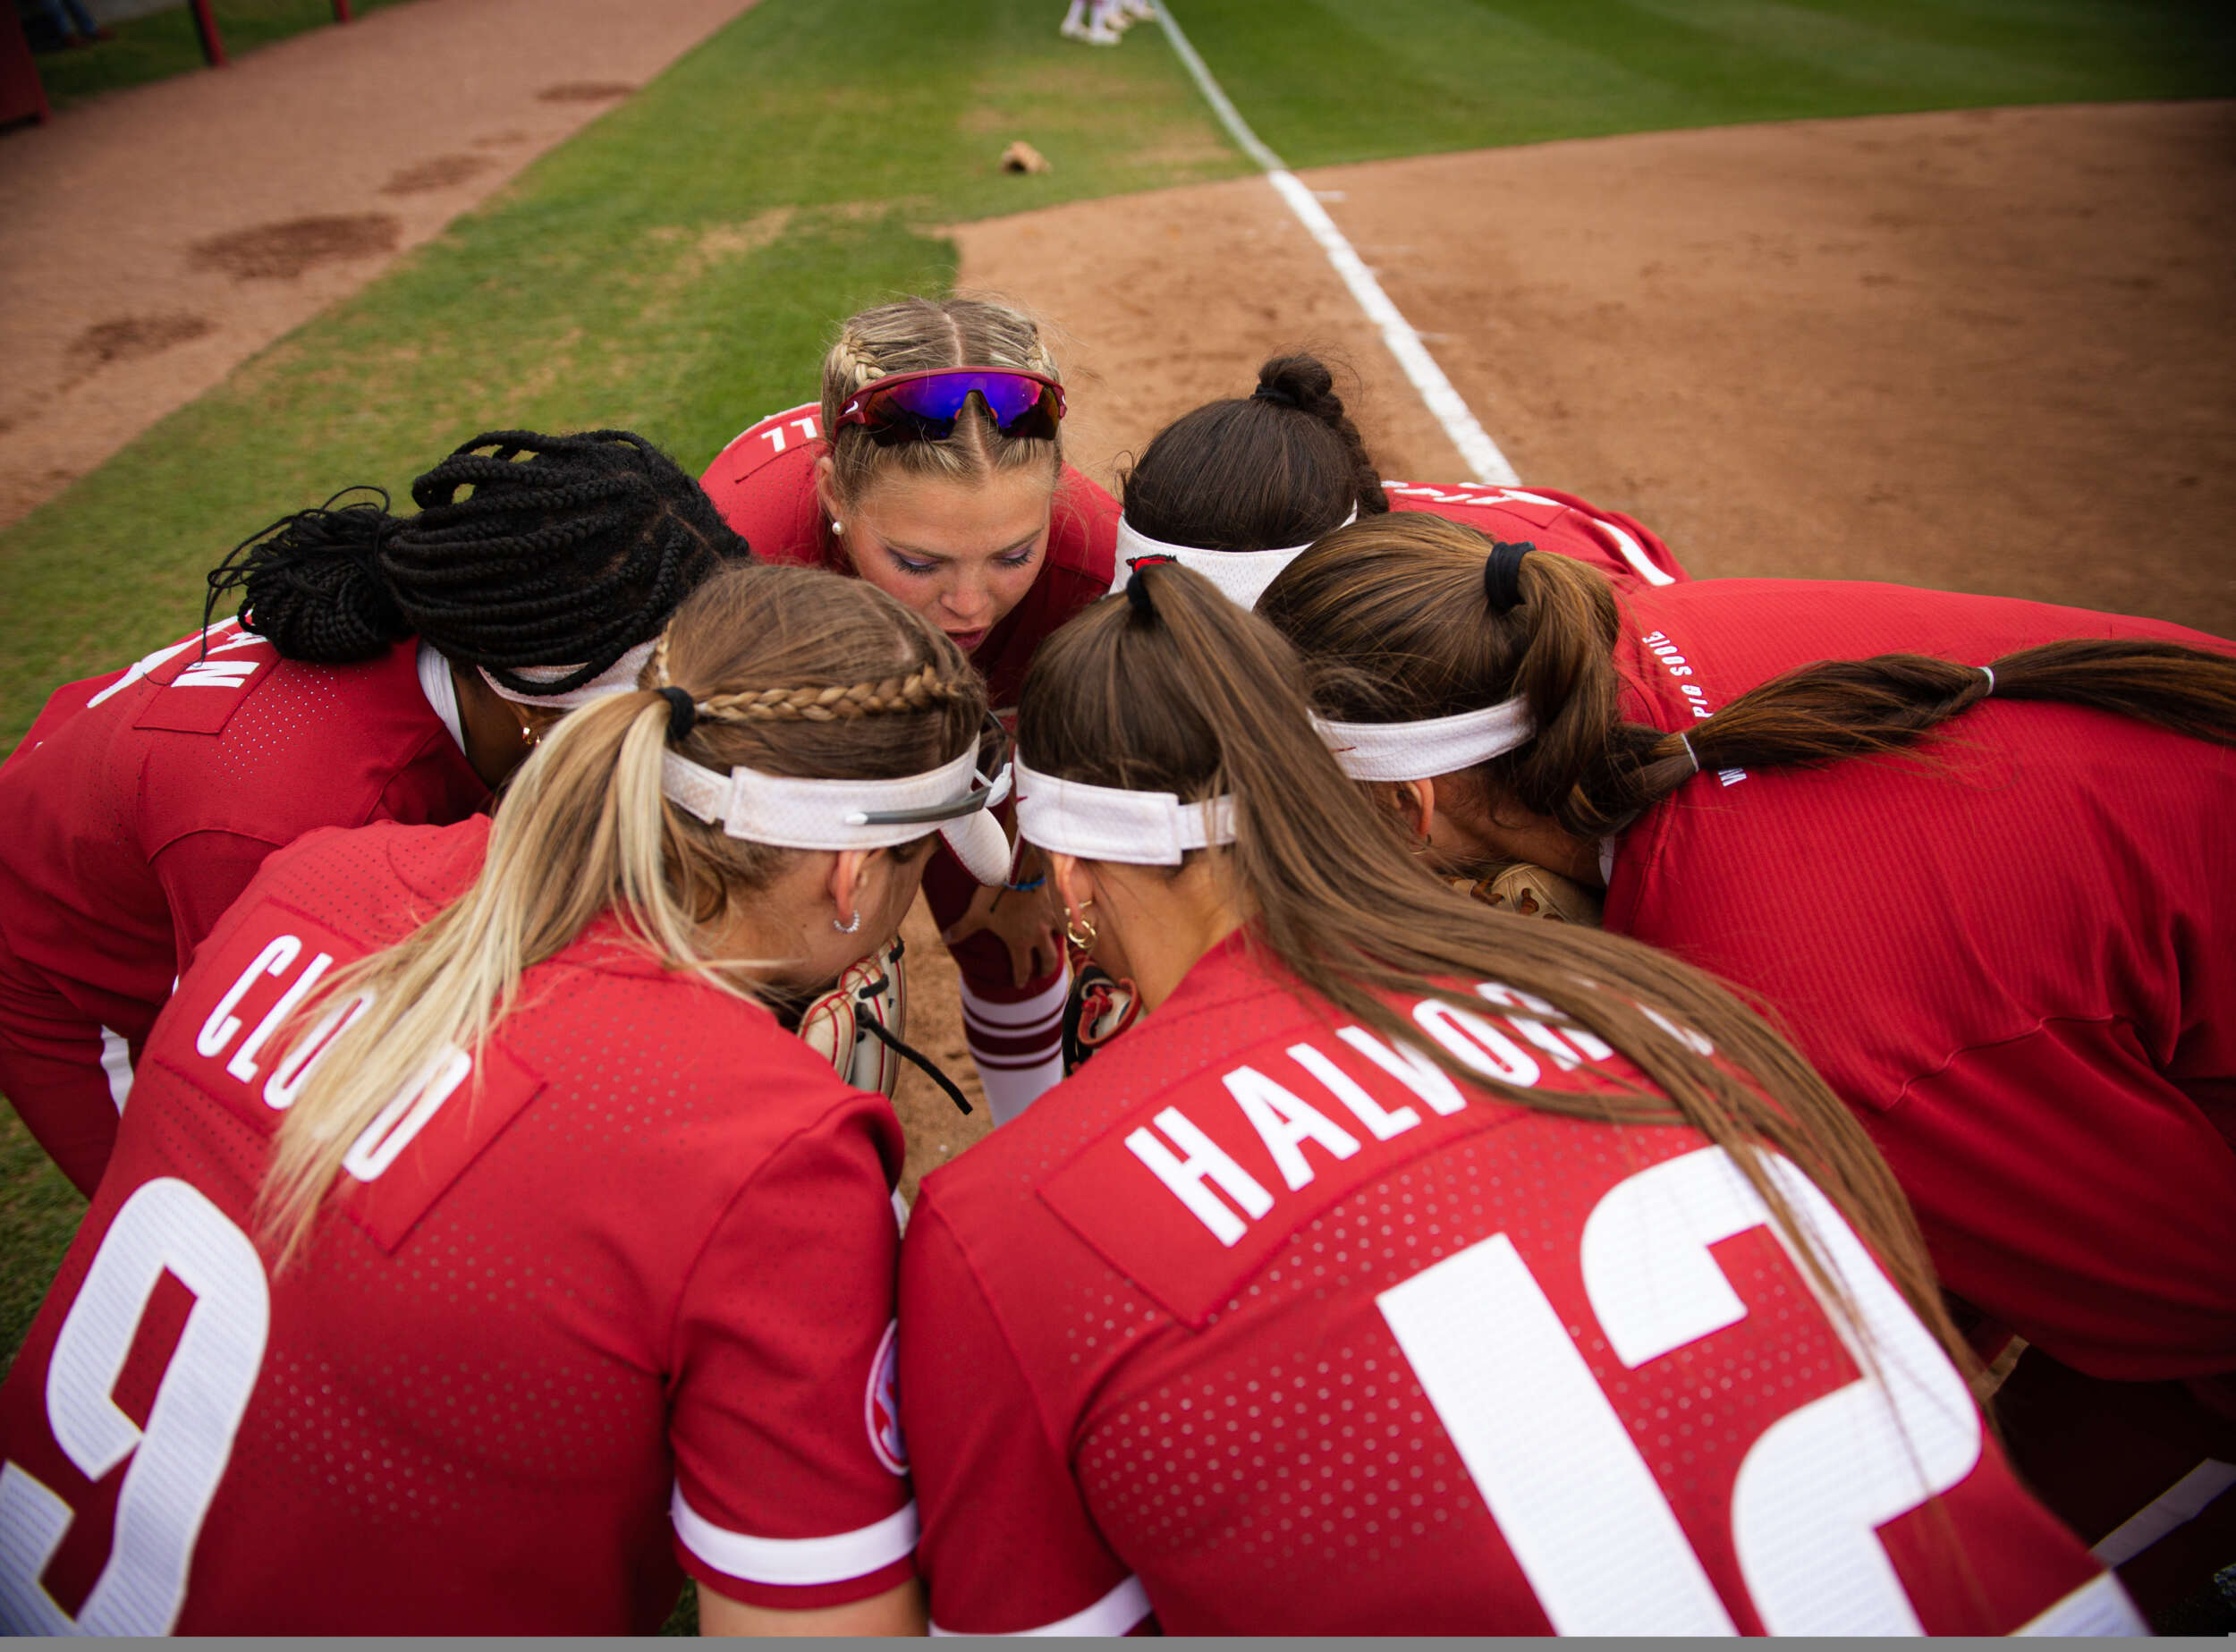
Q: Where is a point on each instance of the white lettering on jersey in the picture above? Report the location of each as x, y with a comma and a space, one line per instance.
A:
1379, 1121
293, 1072
142, 667
216, 675
1474, 1042
777, 441
223, 1024
396, 1125
1410, 1068
242, 1066
1283, 1120
1810, 1493
1659, 645
1185, 1176
165, 1228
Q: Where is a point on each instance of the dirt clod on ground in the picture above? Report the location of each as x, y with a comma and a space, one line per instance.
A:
284, 250
443, 172
128, 338
586, 91
1021, 156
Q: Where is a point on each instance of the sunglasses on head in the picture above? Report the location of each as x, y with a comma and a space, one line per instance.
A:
923, 407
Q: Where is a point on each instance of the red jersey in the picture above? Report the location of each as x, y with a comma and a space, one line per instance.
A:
142, 803
2009, 959
1615, 543
1266, 1327
615, 1291
764, 485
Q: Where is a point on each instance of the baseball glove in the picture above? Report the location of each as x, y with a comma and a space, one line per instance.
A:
874, 989
1532, 892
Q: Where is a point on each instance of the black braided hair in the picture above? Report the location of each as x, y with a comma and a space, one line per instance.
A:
1280, 466
527, 551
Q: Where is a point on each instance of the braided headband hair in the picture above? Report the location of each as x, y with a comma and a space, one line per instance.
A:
793, 813
1433, 746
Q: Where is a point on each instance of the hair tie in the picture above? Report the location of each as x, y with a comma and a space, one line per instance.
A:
1685, 741
1989, 673
1501, 574
1137, 588
1275, 394
682, 713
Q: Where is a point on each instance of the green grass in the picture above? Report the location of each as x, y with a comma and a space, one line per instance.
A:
162, 44
1324, 81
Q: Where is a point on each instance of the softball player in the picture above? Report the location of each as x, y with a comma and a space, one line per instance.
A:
934, 469
1411, 1268
2002, 952
1237, 487
384, 668
472, 1275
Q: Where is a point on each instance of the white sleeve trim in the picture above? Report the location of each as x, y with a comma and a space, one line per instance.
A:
2098, 1607
1114, 1614
795, 1561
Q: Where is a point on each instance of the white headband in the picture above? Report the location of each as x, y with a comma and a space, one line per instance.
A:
1107, 823
1423, 750
1241, 576
618, 678
851, 814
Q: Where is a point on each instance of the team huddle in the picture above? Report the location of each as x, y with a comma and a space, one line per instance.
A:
1574, 1074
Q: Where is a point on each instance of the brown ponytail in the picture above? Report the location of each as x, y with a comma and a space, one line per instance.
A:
1391, 616
1186, 693
1278, 467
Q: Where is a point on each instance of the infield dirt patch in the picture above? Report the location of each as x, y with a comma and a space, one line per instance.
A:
249, 199
1986, 350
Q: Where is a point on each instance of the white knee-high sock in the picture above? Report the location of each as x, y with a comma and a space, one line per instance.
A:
1018, 1048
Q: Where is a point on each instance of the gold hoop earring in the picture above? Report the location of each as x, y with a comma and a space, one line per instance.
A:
1071, 927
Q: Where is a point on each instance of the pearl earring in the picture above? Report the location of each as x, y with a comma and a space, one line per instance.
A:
837, 526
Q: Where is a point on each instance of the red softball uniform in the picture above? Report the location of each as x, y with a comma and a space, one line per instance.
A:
135, 812
1613, 543
1263, 1326
764, 485
2010, 957
613, 1292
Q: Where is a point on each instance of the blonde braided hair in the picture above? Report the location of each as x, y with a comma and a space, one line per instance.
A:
919, 691
917, 336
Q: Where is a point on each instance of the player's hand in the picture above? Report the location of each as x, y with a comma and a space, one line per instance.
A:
1028, 921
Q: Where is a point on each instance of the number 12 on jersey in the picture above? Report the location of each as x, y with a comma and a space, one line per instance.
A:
1568, 1488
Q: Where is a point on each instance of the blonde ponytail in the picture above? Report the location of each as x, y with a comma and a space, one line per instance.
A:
584, 830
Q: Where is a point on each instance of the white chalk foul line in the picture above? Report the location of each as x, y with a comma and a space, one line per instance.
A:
1477, 450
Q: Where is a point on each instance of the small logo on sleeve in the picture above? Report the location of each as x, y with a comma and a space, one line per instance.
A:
881, 1406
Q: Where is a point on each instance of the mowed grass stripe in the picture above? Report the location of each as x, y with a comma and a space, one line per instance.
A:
1329, 82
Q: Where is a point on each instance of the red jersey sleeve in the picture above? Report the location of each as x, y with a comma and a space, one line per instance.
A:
764, 485
201, 875
1617, 544
1024, 1559
791, 1484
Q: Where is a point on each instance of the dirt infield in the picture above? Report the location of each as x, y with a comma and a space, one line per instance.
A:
158, 237
1988, 350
